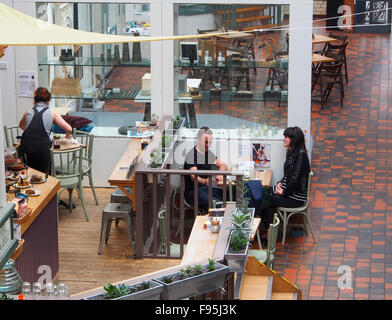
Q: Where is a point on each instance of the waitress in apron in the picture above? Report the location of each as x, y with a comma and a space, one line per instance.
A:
36, 124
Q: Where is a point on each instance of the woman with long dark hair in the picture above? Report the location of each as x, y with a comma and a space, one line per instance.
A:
291, 190
36, 124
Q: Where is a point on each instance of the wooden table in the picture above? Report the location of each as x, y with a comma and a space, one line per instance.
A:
201, 243
265, 176
65, 144
318, 58
319, 38
119, 176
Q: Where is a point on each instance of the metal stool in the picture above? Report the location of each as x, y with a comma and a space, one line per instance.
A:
114, 211
118, 196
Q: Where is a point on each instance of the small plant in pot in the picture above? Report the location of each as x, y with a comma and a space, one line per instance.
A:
177, 122
157, 159
166, 141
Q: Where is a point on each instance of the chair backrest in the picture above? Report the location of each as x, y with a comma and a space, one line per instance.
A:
86, 139
331, 70
336, 51
66, 163
163, 230
308, 190
272, 238
341, 37
10, 134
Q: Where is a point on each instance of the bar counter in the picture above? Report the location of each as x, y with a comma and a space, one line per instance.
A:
39, 232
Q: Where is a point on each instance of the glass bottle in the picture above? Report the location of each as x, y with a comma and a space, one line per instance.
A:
10, 279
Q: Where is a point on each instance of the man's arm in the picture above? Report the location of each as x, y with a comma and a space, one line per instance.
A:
200, 180
222, 167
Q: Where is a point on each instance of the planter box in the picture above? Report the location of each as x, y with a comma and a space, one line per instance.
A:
152, 293
160, 166
251, 212
236, 260
196, 285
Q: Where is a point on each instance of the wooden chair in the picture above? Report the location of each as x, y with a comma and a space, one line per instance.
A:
335, 50
287, 213
12, 135
67, 167
325, 78
87, 139
266, 256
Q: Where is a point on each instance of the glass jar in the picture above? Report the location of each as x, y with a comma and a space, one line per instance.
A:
10, 279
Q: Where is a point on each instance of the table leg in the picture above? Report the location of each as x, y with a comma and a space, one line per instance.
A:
184, 114
147, 112
192, 115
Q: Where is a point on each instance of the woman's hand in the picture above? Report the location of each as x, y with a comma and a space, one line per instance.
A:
278, 189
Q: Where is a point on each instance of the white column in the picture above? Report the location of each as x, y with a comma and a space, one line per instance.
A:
167, 62
300, 65
156, 59
3, 198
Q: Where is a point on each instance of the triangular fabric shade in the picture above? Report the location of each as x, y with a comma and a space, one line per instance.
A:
19, 29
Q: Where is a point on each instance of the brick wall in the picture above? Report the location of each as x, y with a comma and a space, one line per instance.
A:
319, 7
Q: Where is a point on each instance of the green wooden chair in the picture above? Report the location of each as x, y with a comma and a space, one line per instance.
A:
87, 139
67, 167
287, 213
267, 256
10, 134
175, 249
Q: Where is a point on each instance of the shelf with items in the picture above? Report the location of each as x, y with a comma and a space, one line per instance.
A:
234, 64
90, 62
278, 95
106, 94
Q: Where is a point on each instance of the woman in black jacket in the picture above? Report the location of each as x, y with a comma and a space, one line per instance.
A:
291, 190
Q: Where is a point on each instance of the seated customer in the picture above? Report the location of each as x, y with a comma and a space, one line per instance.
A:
291, 190
201, 158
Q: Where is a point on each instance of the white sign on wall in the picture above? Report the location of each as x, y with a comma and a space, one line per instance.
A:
27, 83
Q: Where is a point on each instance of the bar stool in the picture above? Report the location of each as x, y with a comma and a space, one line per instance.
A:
118, 196
114, 211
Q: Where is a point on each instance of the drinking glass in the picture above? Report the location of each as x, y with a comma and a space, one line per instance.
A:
62, 291
49, 290
26, 288
37, 290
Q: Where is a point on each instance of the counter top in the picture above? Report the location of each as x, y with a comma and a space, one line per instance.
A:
48, 190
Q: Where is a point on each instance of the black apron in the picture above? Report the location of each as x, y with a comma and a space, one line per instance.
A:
35, 144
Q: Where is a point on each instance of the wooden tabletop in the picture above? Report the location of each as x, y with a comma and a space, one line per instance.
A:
202, 242
65, 144
120, 171
265, 176
319, 38
233, 34
318, 58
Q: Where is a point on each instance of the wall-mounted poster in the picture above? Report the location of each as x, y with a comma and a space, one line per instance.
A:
261, 154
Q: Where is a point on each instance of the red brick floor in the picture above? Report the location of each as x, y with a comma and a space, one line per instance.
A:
351, 187
350, 206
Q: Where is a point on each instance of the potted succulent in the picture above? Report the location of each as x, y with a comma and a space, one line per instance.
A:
146, 290
167, 141
157, 159
241, 231
243, 215
193, 280
237, 249
177, 122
